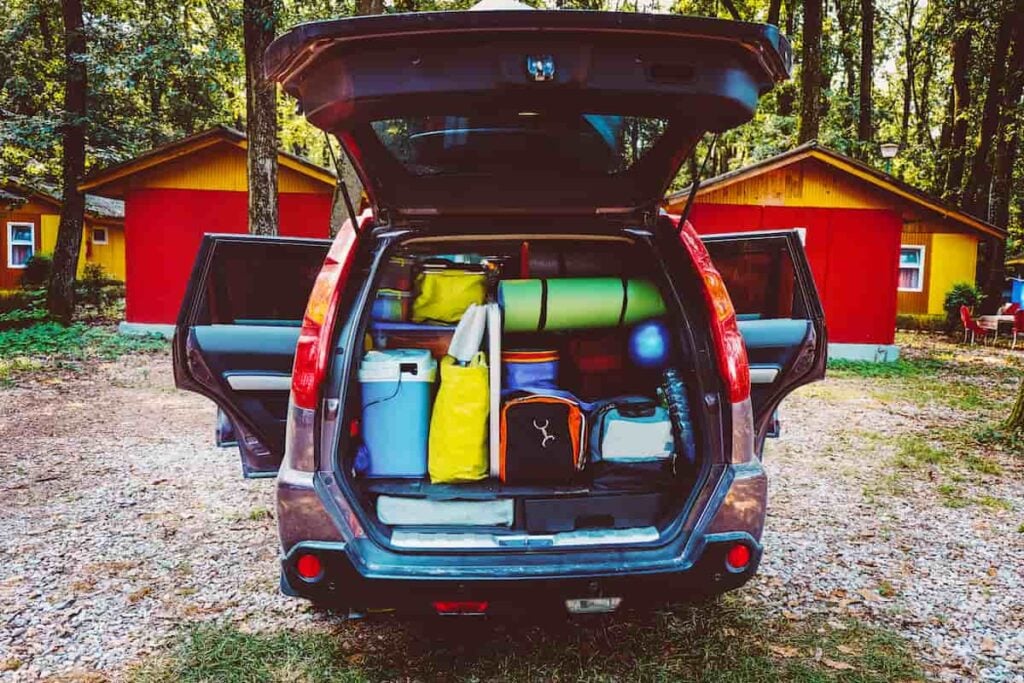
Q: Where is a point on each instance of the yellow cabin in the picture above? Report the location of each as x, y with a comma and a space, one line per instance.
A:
29, 217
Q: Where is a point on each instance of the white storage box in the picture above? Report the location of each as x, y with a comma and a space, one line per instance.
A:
401, 511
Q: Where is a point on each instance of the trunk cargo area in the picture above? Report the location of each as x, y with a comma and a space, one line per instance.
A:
521, 391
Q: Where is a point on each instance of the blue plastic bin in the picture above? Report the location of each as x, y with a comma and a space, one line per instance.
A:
397, 388
1017, 291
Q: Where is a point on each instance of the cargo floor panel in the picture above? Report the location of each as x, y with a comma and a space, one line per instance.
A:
488, 489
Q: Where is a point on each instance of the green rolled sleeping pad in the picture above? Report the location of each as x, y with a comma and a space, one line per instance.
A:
577, 303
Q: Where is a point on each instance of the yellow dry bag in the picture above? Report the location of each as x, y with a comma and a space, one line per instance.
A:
458, 425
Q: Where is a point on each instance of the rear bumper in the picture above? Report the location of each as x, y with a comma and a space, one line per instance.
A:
341, 584
360, 573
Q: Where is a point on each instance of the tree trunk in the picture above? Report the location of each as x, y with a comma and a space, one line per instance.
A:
369, 6
1007, 146
909, 59
810, 72
774, 11
846, 15
1015, 423
867, 67
960, 107
923, 130
259, 24
60, 297
979, 182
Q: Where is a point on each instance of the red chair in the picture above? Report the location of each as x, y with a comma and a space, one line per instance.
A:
1018, 326
1011, 309
971, 326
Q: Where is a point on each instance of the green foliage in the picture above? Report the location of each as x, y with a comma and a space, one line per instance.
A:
920, 322
75, 342
21, 308
718, 641
97, 289
901, 368
962, 294
37, 271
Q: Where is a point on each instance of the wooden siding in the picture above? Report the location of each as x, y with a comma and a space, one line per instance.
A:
807, 183
954, 259
916, 302
221, 166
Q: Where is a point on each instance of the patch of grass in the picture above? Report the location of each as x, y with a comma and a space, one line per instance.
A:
722, 641
994, 503
977, 463
260, 514
915, 453
995, 435
901, 368
952, 496
49, 345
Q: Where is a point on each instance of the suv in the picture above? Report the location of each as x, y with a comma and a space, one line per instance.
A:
520, 143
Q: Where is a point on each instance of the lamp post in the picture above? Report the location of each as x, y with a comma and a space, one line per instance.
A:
889, 151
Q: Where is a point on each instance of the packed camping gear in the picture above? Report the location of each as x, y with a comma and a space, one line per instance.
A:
535, 389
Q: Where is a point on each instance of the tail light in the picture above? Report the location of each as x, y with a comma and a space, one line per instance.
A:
309, 567
313, 348
729, 347
738, 557
461, 606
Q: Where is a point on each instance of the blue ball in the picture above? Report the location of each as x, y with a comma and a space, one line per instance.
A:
649, 345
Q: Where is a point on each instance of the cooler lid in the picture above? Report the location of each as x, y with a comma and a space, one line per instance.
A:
387, 366
512, 112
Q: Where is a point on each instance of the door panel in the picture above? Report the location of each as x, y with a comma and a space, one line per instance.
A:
779, 314
236, 335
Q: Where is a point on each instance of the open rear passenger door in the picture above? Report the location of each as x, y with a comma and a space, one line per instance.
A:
779, 314
236, 334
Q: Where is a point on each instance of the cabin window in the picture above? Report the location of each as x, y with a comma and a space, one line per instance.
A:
21, 244
99, 235
911, 268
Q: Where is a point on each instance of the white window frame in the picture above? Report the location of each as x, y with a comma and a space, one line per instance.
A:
106, 236
11, 225
920, 268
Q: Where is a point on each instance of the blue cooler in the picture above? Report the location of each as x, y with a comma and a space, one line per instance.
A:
397, 387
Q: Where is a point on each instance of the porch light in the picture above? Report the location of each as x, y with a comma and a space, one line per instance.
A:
889, 150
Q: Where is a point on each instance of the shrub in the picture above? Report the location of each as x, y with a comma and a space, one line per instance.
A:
20, 308
962, 294
96, 288
37, 271
921, 322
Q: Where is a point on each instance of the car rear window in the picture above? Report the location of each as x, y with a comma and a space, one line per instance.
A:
526, 141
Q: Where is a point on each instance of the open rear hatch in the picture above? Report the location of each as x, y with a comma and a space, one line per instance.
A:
525, 112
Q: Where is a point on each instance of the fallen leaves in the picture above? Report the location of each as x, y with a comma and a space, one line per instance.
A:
836, 664
785, 651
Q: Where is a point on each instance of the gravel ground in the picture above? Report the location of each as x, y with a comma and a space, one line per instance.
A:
121, 521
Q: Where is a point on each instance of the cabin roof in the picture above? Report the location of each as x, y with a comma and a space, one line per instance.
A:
852, 167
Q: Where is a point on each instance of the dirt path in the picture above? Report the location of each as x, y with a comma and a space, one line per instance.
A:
121, 520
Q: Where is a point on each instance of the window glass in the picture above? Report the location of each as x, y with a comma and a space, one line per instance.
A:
261, 283
911, 268
21, 244
760, 277
99, 235
519, 142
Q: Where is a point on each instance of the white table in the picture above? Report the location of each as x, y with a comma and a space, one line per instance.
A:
992, 322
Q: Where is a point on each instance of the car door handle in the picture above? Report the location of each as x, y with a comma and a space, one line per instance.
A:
763, 374
239, 381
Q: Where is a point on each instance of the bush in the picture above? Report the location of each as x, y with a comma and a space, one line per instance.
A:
97, 289
962, 294
921, 322
37, 271
20, 308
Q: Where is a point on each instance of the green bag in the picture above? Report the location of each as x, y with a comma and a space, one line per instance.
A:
442, 295
457, 449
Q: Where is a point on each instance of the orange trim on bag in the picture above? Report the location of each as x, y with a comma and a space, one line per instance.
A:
577, 428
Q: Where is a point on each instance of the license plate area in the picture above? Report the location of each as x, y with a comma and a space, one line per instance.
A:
592, 605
